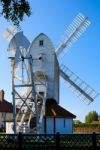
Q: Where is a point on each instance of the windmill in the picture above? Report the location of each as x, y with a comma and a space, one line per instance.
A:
36, 71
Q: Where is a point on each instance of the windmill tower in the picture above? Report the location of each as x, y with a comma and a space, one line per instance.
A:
36, 72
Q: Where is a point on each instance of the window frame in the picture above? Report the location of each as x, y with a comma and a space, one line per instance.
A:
41, 42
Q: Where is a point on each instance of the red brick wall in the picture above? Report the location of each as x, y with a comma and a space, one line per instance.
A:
1, 95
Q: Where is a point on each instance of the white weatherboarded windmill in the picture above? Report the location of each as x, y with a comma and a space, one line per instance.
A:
35, 76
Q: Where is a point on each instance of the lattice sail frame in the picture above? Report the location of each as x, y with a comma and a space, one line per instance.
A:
84, 91
73, 32
10, 32
78, 86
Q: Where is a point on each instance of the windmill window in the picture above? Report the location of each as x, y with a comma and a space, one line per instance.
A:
41, 43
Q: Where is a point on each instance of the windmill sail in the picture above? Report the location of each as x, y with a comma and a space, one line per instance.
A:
73, 32
82, 89
10, 32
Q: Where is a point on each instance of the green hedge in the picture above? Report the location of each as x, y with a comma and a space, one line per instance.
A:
86, 125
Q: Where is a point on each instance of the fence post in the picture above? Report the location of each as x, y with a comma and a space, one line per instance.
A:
20, 141
57, 141
94, 141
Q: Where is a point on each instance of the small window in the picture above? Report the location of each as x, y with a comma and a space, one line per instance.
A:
41, 43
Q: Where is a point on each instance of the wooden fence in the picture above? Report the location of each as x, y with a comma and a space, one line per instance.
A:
86, 129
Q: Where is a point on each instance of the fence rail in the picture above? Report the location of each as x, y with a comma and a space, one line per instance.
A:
50, 141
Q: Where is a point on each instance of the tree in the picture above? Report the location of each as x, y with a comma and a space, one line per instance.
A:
99, 117
91, 116
77, 122
15, 10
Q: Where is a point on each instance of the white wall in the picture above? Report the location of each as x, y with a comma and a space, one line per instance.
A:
9, 127
59, 125
5, 116
49, 125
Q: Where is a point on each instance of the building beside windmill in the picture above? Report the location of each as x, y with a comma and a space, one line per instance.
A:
6, 111
56, 119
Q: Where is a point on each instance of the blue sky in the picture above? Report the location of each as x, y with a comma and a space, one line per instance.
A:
52, 17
